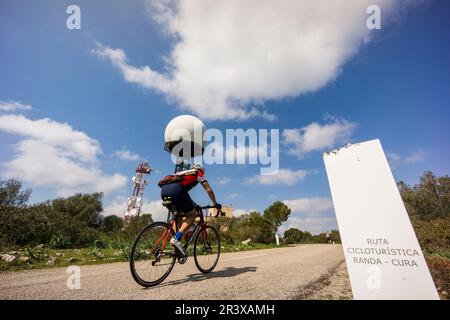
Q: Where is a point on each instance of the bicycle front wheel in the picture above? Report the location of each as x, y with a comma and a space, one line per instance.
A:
207, 249
152, 257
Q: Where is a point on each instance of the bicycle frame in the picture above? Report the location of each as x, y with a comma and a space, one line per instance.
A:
165, 235
199, 226
171, 219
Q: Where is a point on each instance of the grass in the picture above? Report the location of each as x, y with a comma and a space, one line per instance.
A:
43, 257
40, 257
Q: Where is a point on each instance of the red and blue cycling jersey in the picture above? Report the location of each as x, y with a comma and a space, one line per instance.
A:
190, 178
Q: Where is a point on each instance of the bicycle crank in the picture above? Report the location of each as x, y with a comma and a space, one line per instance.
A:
182, 259
158, 255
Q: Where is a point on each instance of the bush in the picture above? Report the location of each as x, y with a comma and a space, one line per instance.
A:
433, 235
253, 226
249, 226
59, 242
40, 224
77, 233
86, 208
440, 271
428, 204
132, 229
101, 243
293, 235
22, 226
225, 226
112, 223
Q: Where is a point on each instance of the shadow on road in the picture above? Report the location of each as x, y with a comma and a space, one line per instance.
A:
224, 273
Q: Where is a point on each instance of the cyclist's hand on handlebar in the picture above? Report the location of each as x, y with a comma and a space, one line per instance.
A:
218, 206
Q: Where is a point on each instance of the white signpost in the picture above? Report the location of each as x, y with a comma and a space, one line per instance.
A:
383, 256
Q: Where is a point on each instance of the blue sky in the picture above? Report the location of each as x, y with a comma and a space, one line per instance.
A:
392, 84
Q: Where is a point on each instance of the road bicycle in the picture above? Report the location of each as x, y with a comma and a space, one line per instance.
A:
152, 258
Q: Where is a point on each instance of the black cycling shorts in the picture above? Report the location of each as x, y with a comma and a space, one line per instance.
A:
180, 196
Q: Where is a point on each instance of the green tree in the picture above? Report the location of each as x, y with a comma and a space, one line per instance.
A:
319, 238
307, 236
226, 227
293, 235
12, 195
256, 227
335, 236
277, 213
429, 199
112, 223
85, 208
136, 224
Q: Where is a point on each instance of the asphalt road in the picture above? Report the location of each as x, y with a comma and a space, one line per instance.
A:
262, 274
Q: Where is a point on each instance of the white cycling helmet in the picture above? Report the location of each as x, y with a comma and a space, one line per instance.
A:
198, 166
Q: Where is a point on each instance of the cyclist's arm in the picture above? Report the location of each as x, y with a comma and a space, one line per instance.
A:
210, 192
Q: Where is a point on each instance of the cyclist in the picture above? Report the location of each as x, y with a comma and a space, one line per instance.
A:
177, 187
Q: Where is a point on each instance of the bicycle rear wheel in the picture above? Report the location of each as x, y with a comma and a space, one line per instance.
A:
152, 257
207, 249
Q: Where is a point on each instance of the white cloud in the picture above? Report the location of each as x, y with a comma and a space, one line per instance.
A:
12, 105
317, 137
282, 177
52, 154
223, 181
310, 206
415, 157
273, 197
116, 207
58, 135
233, 195
393, 158
126, 155
240, 212
315, 225
143, 76
119, 204
228, 57
312, 219
155, 207
396, 159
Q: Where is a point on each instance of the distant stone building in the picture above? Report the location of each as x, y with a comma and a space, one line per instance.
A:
227, 211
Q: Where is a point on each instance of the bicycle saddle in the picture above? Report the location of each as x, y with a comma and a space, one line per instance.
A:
167, 202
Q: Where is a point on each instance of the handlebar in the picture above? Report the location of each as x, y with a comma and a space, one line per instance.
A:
210, 207
207, 207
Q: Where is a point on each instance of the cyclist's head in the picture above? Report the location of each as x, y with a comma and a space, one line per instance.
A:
198, 166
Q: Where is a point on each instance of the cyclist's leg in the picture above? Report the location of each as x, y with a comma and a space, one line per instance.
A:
170, 191
187, 206
188, 221
184, 204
